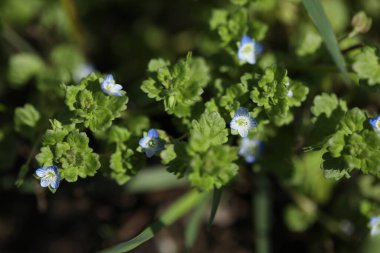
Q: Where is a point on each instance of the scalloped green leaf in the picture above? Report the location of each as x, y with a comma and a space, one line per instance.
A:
210, 130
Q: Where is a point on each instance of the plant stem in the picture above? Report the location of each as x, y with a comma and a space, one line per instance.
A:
75, 24
174, 212
16, 40
261, 207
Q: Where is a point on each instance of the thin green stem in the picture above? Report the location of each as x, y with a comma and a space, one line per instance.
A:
25, 167
262, 208
174, 212
16, 40
75, 24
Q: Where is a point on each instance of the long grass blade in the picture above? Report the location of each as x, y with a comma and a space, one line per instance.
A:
194, 224
154, 179
174, 212
217, 196
318, 15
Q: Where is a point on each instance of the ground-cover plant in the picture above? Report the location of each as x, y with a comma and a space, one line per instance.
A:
287, 102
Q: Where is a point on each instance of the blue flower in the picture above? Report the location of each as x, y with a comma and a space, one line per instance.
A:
375, 122
247, 50
151, 143
250, 149
110, 87
49, 176
374, 223
242, 122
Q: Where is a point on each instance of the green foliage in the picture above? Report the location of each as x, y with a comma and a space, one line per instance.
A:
180, 86
68, 149
121, 165
327, 104
352, 146
26, 116
298, 220
367, 65
361, 22
209, 131
272, 94
232, 24
318, 15
214, 169
91, 106
308, 40
23, 67
205, 161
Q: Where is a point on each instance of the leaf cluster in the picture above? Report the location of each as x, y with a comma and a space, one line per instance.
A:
206, 162
91, 106
180, 85
69, 149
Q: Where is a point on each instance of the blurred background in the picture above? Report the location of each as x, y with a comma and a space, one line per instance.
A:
45, 43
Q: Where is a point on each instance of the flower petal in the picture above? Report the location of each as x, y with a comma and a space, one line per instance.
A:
40, 172
242, 112
149, 152
245, 39
109, 79
152, 133
55, 184
243, 131
143, 142
252, 122
44, 182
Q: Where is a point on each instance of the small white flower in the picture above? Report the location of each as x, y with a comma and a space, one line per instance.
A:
250, 149
242, 122
151, 143
247, 50
290, 93
49, 176
374, 223
110, 87
375, 122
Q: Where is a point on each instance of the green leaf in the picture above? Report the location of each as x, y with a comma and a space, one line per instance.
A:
154, 179
180, 164
26, 116
218, 18
216, 197
66, 57
121, 164
308, 40
214, 169
22, 67
324, 104
271, 93
318, 16
209, 131
195, 221
92, 106
175, 211
298, 220
180, 85
353, 121
367, 66
68, 149
118, 134
45, 157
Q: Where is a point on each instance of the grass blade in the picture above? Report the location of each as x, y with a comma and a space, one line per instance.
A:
217, 196
154, 179
194, 223
318, 15
174, 212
